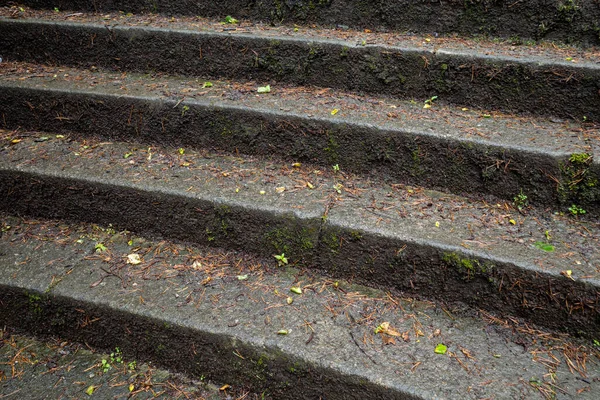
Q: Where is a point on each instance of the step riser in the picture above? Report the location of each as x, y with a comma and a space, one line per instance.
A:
194, 352
535, 19
405, 157
420, 268
511, 85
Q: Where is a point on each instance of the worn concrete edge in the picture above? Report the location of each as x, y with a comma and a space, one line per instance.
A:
419, 267
513, 85
532, 19
286, 375
360, 148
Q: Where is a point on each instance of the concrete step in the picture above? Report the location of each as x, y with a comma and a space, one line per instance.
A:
532, 264
233, 318
551, 162
567, 21
31, 369
538, 80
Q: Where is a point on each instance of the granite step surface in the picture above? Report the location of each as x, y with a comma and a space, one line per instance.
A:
538, 80
549, 162
501, 257
280, 331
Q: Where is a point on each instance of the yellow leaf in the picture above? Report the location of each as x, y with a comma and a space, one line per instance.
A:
334, 111
384, 327
282, 332
224, 387
309, 185
296, 289
296, 165
427, 106
15, 141
90, 390
280, 189
131, 387
568, 273
512, 222
134, 259
437, 224
290, 300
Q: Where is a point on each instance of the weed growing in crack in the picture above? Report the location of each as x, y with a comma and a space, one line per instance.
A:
520, 201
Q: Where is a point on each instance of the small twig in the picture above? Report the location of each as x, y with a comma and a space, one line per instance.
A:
361, 349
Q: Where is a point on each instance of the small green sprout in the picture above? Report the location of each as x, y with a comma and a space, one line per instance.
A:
281, 259
100, 247
229, 20
520, 201
576, 210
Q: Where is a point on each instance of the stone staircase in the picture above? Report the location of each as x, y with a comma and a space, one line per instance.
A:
432, 199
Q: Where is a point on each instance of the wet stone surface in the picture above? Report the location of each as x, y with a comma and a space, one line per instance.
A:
330, 325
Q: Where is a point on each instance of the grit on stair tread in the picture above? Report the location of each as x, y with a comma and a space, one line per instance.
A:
567, 21
215, 313
522, 82
492, 153
543, 52
405, 212
424, 242
533, 134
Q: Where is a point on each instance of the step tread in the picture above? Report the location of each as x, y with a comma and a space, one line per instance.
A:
553, 136
486, 356
539, 53
389, 210
65, 370
569, 22
514, 83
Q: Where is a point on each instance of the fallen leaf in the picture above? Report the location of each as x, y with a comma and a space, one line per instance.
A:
440, 349
290, 300
296, 289
264, 89
388, 340
134, 259
206, 281
242, 277
131, 387
224, 387
309, 185
282, 332
384, 327
90, 390
280, 189
334, 111
196, 265
544, 246
567, 273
